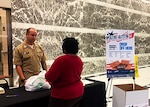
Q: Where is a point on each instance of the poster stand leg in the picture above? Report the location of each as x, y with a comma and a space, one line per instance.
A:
133, 83
108, 88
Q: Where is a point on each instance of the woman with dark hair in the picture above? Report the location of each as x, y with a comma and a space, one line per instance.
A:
64, 76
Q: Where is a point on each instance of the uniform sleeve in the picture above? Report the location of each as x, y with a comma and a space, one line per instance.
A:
44, 58
17, 57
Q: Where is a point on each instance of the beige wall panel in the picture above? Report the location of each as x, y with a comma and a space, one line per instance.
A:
4, 42
5, 3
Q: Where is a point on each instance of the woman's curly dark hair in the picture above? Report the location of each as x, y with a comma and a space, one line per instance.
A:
70, 46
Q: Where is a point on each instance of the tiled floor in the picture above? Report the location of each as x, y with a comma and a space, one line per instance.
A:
142, 80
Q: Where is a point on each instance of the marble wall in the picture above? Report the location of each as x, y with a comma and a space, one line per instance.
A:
86, 20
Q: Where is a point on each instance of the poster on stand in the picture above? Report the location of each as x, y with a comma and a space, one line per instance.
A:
120, 53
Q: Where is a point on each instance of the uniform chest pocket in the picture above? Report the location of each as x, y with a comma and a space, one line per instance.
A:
26, 55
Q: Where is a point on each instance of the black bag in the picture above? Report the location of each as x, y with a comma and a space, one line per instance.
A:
4, 84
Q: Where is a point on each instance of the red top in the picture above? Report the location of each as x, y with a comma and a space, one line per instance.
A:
64, 77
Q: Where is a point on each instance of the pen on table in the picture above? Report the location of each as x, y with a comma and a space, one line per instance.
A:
11, 95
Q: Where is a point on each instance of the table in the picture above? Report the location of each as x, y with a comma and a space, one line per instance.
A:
24, 98
94, 96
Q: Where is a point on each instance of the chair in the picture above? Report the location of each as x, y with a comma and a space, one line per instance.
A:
4, 84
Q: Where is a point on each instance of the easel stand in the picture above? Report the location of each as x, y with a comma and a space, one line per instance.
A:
109, 86
108, 89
